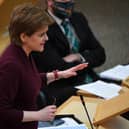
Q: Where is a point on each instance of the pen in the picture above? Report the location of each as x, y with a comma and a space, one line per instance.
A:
54, 101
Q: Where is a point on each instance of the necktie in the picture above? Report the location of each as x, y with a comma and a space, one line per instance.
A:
71, 36
88, 79
74, 43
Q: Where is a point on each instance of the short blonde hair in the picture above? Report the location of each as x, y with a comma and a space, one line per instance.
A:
27, 18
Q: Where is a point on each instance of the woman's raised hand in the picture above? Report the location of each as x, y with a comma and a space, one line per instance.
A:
72, 71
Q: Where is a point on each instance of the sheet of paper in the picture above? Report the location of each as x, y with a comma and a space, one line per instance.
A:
80, 126
69, 121
102, 89
118, 72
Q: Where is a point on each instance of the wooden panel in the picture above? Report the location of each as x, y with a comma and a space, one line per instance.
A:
6, 8
1, 2
110, 108
74, 106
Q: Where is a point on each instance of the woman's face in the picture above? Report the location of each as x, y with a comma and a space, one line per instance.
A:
36, 41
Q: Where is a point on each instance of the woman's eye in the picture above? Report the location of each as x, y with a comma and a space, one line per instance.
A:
41, 35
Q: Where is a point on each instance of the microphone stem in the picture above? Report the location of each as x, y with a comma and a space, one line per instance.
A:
84, 105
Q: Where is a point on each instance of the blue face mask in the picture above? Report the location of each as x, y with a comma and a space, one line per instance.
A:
63, 9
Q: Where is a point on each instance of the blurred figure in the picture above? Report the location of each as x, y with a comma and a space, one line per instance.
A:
20, 81
71, 42
1, 2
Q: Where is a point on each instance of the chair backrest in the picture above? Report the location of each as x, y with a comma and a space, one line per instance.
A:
41, 100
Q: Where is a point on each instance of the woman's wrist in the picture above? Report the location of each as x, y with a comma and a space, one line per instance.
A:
60, 75
56, 74
30, 116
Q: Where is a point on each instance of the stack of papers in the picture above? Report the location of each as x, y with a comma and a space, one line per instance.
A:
118, 72
69, 123
80, 126
101, 89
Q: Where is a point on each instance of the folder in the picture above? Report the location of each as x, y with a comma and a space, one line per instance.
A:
81, 126
60, 120
111, 108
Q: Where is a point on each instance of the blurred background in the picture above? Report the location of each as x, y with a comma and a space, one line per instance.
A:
109, 20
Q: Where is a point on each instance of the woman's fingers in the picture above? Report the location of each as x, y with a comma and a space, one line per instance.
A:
79, 67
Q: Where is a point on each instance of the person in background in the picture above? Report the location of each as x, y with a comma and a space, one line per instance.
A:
20, 81
71, 42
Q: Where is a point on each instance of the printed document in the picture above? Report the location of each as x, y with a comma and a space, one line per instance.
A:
101, 89
79, 126
69, 123
118, 72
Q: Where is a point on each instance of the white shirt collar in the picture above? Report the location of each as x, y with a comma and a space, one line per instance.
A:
58, 20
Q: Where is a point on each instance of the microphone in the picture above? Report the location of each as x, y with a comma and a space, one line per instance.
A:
84, 105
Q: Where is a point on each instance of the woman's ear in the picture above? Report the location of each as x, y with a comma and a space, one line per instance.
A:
23, 37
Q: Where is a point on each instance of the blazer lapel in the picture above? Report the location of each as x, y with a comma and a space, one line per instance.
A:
60, 35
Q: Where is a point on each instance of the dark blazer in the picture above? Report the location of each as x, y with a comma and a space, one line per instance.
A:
57, 47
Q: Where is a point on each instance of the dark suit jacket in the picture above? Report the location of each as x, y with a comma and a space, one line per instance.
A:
57, 47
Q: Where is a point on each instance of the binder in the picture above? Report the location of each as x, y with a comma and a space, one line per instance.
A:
58, 121
111, 108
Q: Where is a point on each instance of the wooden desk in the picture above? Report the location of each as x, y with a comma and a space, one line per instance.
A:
74, 106
125, 82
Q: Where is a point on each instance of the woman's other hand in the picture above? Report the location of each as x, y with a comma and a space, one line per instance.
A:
47, 113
